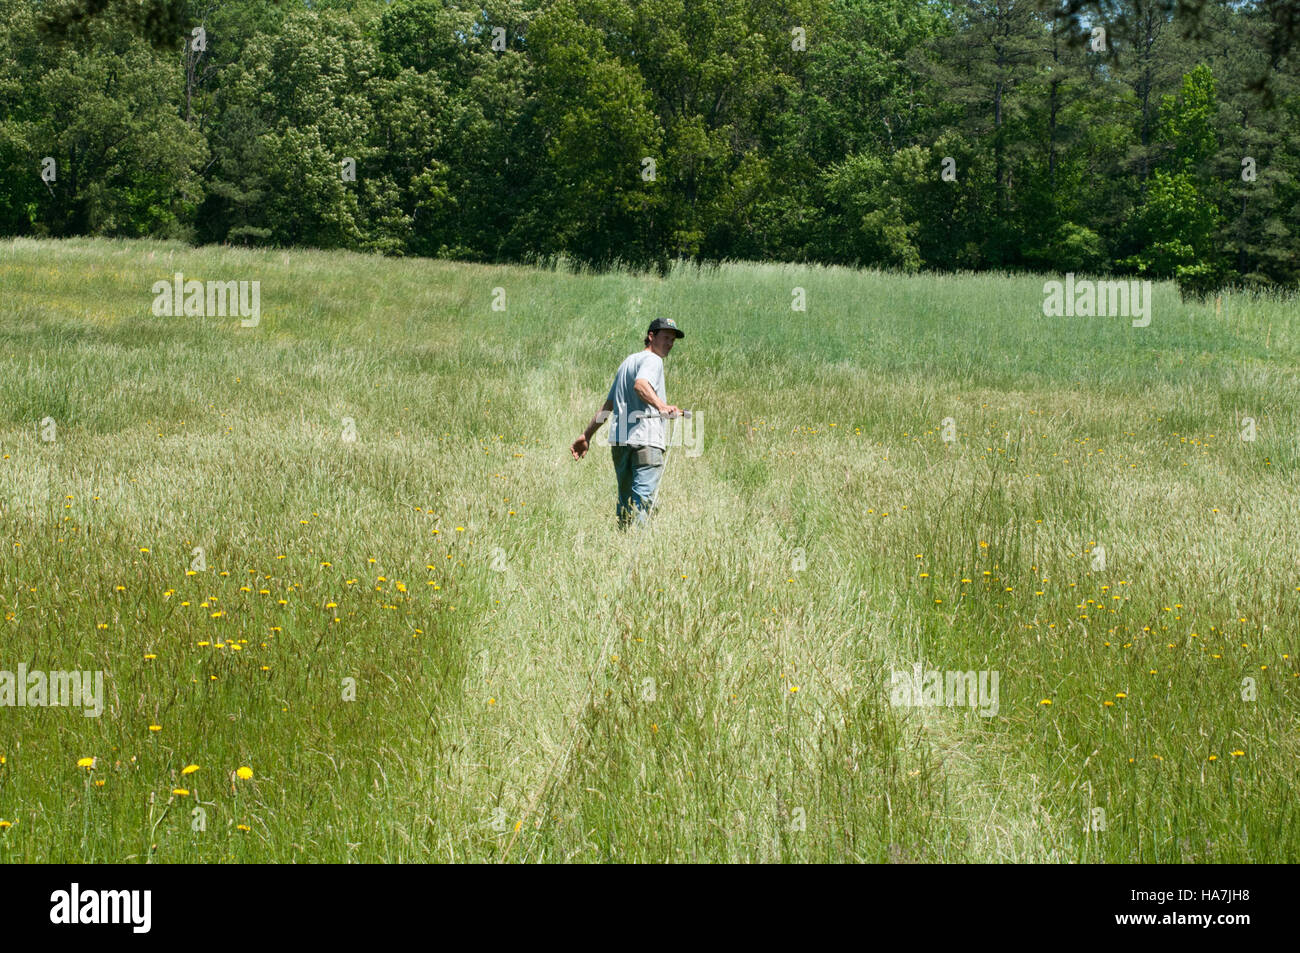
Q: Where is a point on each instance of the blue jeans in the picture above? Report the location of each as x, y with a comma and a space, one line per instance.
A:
636, 486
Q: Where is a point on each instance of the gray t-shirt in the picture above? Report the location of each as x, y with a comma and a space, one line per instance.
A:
631, 425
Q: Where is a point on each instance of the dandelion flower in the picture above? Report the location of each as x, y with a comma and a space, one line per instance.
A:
242, 827
180, 792
85, 762
244, 774
189, 769
1045, 701
1238, 753
155, 727
5, 825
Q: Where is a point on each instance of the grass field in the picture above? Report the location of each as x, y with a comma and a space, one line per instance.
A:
431, 643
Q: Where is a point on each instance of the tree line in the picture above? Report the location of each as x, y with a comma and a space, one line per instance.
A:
1109, 137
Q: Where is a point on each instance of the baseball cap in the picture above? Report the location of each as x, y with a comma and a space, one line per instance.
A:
660, 324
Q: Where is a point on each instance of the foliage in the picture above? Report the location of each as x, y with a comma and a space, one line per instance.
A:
651, 130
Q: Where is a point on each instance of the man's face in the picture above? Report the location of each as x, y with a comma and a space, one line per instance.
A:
662, 341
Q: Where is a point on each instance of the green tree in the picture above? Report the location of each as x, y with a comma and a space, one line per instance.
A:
105, 111
598, 126
984, 68
288, 115
1259, 150
1176, 225
475, 166
870, 208
1068, 179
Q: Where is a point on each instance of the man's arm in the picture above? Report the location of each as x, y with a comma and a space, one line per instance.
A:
646, 392
583, 443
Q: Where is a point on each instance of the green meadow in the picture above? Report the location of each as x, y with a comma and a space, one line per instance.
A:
347, 550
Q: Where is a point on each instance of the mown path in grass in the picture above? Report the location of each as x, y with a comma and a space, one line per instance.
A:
722, 705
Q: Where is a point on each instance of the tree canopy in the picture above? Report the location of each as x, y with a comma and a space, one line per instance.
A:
1153, 137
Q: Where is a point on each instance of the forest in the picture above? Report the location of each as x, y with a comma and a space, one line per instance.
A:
1131, 138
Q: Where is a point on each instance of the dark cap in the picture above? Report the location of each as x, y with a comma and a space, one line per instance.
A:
660, 324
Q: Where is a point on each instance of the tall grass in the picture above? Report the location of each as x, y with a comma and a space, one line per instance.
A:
532, 685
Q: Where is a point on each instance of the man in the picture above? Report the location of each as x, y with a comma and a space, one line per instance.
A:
637, 400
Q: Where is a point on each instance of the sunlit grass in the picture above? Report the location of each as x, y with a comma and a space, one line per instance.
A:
431, 643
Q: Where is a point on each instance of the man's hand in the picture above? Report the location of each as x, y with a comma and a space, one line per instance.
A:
672, 411
583, 443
